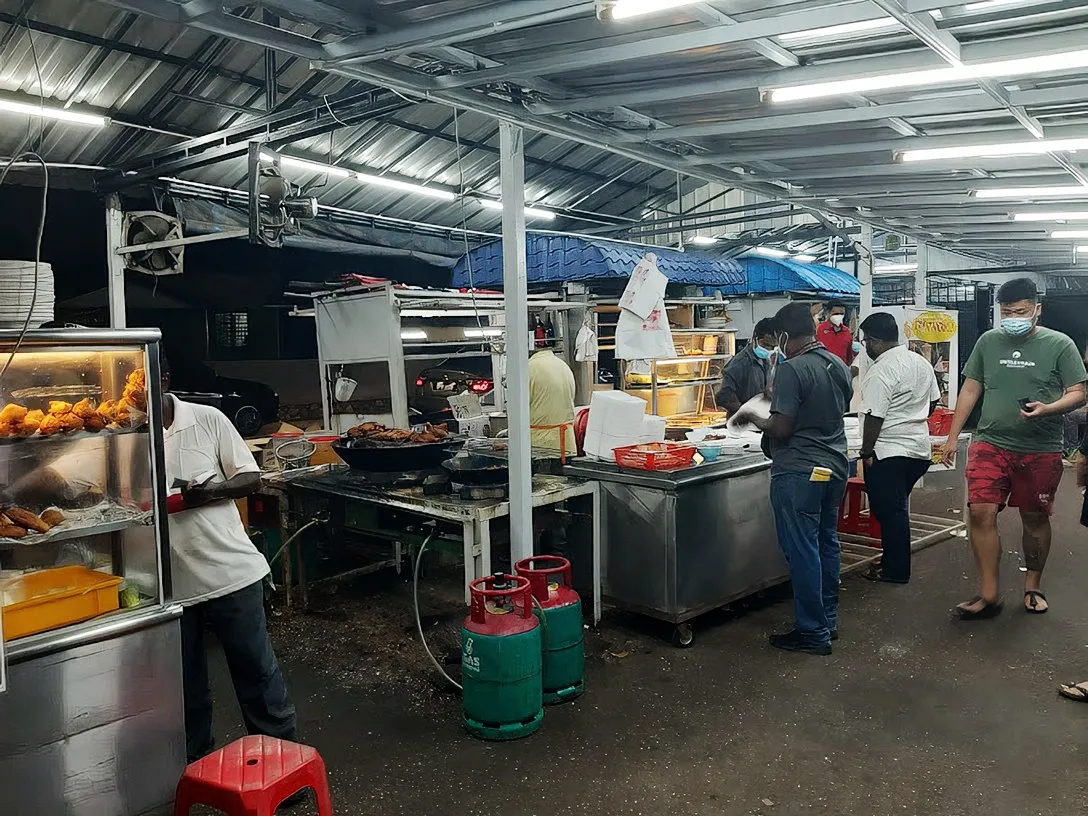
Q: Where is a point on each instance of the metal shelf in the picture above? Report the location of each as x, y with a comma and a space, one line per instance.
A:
66, 532
680, 384
38, 439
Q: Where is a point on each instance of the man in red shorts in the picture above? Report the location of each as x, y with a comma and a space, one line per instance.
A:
1027, 377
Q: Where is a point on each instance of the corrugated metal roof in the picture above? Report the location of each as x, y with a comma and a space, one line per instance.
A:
772, 275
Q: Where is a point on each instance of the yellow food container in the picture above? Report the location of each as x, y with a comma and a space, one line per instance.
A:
48, 599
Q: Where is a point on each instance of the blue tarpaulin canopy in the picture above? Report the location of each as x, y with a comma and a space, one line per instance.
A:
776, 275
560, 258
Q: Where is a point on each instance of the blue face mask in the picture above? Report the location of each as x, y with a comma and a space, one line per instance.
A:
761, 353
856, 347
1016, 326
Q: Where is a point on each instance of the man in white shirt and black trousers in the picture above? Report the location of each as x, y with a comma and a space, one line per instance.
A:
218, 575
898, 393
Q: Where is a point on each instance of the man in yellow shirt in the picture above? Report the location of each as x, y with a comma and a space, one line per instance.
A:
551, 403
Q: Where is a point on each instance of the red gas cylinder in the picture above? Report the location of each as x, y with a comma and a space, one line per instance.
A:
580, 423
501, 660
560, 610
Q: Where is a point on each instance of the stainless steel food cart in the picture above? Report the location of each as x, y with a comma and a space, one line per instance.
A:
677, 544
91, 722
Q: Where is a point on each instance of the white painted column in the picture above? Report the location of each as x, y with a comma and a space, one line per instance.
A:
515, 290
921, 284
115, 264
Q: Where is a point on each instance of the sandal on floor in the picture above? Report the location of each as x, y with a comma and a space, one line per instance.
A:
988, 610
1033, 596
1078, 692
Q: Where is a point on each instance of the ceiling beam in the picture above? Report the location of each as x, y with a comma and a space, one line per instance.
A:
765, 47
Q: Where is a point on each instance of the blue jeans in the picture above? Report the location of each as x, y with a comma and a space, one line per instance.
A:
806, 517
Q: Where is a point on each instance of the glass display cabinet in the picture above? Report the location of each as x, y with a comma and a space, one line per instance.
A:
91, 641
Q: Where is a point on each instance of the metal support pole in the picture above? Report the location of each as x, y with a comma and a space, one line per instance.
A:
921, 285
515, 290
115, 264
865, 270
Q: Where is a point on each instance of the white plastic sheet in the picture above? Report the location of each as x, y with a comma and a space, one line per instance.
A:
648, 338
758, 405
645, 288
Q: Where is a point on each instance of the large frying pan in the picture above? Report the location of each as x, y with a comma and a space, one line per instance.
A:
474, 469
375, 457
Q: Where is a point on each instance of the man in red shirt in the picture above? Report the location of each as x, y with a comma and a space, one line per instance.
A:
836, 337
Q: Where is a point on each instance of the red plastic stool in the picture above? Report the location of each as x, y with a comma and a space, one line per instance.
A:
854, 517
252, 777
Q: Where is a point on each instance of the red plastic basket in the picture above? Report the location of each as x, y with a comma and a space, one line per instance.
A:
655, 456
940, 422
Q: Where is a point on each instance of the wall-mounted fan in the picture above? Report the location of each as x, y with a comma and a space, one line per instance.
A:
142, 228
275, 204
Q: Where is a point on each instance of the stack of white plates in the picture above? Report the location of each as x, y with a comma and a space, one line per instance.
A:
17, 294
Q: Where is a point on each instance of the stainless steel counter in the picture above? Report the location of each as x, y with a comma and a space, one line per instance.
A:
678, 544
92, 721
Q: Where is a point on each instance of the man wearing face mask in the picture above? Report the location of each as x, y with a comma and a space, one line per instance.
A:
748, 374
1030, 376
898, 394
837, 337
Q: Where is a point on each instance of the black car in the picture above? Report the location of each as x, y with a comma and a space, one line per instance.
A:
249, 405
435, 385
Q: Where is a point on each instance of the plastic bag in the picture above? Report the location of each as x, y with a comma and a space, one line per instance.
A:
645, 288
585, 344
648, 338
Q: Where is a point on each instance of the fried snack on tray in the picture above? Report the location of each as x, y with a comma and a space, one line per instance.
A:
26, 519
52, 516
12, 414
11, 531
376, 432
59, 408
84, 409
64, 423
94, 423
108, 411
135, 392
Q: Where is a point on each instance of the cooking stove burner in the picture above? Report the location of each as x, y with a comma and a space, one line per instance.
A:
481, 492
411, 478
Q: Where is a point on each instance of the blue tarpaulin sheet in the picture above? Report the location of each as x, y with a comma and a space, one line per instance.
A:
777, 275
561, 258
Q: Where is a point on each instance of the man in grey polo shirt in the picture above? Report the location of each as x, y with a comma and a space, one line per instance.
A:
748, 374
806, 440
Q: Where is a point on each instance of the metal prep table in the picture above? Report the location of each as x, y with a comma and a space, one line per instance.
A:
678, 544
473, 517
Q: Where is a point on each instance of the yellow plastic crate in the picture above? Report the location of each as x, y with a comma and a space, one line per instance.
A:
49, 599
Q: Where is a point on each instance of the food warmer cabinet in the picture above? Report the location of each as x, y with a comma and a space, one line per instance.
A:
91, 721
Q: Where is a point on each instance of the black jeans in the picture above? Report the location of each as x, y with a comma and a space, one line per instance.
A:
888, 482
237, 621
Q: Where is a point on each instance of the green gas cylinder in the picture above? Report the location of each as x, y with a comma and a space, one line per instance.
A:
501, 660
560, 611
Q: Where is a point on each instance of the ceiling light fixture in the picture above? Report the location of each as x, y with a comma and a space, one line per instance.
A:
804, 258
1066, 191
413, 334
53, 113
1025, 66
483, 332
1081, 250
704, 240
1033, 148
625, 9
771, 253
534, 212
894, 269
1050, 216
838, 32
1069, 234
365, 178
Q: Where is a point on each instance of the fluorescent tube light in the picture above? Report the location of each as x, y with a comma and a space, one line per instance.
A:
835, 32
1024, 66
804, 258
1066, 191
365, 178
438, 313
704, 240
53, 113
491, 332
625, 9
1069, 234
771, 253
1082, 250
413, 334
1050, 216
534, 212
1032, 148
894, 269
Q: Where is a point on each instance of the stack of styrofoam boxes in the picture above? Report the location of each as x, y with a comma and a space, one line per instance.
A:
616, 420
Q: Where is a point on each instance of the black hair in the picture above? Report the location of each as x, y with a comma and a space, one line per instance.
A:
880, 326
795, 319
764, 328
835, 304
1018, 289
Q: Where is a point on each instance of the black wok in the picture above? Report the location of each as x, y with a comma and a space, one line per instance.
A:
474, 469
376, 458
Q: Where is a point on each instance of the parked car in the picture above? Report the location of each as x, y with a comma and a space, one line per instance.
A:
435, 385
248, 405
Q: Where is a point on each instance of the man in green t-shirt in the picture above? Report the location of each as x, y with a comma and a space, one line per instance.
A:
1029, 377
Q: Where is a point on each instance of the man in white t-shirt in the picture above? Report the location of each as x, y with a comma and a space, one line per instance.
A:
218, 575
898, 394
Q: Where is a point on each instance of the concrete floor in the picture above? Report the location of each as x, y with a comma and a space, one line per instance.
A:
913, 714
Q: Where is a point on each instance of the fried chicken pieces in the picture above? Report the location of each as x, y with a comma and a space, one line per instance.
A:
376, 432
16, 522
64, 417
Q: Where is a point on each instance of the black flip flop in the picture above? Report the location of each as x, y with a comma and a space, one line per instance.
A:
1033, 605
989, 610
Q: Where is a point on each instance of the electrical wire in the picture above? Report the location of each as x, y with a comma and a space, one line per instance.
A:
293, 536
419, 621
